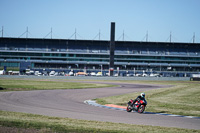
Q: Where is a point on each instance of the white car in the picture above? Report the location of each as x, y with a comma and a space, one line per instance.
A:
116, 75
52, 73
71, 73
138, 75
154, 75
1, 72
93, 74
144, 75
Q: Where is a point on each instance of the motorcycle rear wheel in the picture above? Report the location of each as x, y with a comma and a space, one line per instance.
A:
141, 109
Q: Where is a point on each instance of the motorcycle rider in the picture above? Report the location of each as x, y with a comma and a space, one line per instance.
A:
140, 97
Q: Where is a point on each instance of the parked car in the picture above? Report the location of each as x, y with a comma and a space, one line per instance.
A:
99, 74
92, 74
154, 75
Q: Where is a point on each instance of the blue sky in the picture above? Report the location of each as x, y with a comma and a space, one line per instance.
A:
134, 17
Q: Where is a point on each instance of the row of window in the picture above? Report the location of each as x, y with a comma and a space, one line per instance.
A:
53, 54
91, 57
90, 60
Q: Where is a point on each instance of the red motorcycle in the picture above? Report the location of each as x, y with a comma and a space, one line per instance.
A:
137, 106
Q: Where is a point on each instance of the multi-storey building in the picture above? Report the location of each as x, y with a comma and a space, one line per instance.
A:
166, 58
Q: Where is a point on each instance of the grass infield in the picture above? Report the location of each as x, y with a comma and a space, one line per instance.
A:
181, 99
7, 84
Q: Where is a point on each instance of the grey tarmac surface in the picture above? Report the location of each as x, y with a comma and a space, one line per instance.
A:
70, 103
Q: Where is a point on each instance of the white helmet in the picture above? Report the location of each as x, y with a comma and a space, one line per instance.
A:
142, 95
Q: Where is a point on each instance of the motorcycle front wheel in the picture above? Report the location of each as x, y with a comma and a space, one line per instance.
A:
141, 109
129, 108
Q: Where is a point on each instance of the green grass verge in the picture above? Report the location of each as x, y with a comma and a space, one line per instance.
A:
30, 84
181, 99
56, 124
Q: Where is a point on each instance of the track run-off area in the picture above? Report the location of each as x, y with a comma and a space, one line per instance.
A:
70, 103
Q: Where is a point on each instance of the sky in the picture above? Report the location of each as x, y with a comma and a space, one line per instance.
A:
89, 18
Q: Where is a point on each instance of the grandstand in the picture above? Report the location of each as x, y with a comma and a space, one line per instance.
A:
166, 58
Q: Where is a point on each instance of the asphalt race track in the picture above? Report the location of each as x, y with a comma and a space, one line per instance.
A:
70, 103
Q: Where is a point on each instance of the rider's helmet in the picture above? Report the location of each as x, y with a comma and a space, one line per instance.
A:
142, 95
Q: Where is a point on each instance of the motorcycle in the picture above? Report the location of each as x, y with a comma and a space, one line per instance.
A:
137, 106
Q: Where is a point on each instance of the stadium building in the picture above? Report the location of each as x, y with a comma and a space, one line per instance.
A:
130, 57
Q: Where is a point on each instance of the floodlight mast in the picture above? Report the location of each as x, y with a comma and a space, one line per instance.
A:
2, 32
112, 48
194, 37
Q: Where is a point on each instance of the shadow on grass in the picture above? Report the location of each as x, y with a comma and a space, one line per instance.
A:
1, 88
